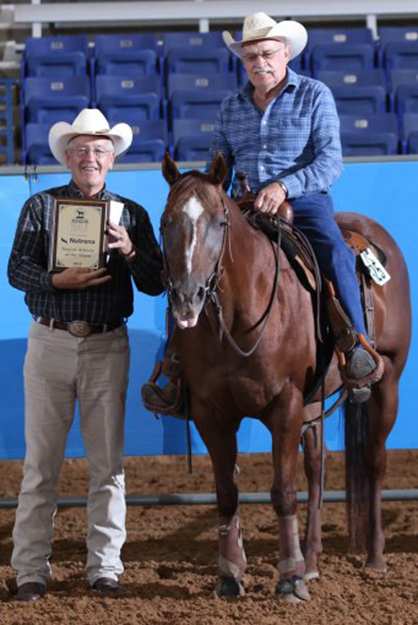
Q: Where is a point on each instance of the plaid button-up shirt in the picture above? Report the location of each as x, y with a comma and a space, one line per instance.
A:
108, 303
296, 139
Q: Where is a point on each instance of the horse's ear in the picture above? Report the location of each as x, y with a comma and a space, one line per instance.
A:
218, 170
170, 171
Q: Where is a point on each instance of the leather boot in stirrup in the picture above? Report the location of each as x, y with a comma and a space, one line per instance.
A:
167, 400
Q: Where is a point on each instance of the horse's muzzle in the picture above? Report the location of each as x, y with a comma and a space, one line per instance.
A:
187, 304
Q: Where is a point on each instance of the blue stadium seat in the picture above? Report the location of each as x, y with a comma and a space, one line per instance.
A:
150, 141
337, 36
191, 139
342, 57
360, 101
200, 82
193, 96
357, 92
360, 78
198, 60
129, 63
400, 56
193, 40
395, 34
55, 56
369, 135
404, 93
126, 54
410, 133
134, 98
36, 151
340, 36
196, 104
398, 34
126, 42
48, 100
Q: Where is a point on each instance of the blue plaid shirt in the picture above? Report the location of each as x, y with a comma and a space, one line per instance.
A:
296, 139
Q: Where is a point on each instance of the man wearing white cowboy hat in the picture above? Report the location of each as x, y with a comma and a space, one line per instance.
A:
282, 130
87, 361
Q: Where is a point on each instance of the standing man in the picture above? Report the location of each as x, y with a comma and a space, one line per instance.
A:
282, 130
78, 350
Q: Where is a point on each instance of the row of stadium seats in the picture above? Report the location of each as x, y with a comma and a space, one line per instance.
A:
135, 99
199, 95
136, 54
189, 139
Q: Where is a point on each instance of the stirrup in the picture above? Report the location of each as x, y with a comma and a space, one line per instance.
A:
366, 381
167, 401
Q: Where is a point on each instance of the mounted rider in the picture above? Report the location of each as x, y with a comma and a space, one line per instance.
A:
282, 130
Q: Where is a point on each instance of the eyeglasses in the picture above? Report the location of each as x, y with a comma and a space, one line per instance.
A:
268, 55
81, 152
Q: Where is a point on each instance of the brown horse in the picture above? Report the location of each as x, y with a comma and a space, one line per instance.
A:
213, 253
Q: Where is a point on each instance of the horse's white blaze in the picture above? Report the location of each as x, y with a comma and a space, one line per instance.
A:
193, 209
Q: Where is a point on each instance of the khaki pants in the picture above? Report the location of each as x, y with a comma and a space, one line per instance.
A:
60, 368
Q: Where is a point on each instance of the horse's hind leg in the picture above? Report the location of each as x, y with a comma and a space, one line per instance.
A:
382, 412
366, 434
222, 446
312, 464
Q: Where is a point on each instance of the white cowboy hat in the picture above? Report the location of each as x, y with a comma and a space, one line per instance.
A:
260, 26
88, 122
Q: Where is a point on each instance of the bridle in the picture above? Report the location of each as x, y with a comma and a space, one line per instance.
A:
212, 281
212, 284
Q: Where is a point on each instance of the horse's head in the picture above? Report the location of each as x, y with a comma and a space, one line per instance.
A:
193, 228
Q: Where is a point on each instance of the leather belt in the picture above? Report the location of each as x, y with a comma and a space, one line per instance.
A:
78, 328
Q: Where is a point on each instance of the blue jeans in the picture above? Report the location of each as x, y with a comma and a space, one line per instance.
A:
314, 216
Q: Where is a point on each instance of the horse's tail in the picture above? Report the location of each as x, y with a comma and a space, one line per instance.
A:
357, 476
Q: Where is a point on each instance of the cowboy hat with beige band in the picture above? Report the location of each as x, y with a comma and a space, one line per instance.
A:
259, 26
90, 122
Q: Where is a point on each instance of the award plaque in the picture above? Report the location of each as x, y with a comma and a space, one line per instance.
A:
78, 234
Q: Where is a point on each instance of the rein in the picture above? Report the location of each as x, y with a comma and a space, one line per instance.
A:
213, 296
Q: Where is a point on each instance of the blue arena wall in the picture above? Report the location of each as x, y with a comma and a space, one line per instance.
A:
386, 191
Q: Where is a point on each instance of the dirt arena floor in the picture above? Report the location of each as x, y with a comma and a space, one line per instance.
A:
171, 552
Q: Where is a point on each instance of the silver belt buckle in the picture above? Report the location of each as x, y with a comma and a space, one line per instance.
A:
79, 328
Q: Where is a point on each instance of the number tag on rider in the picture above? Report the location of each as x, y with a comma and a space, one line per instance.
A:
375, 268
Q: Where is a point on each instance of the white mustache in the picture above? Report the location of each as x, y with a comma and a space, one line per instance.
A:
263, 71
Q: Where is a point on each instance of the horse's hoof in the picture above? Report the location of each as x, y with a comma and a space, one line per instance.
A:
311, 575
377, 564
292, 590
229, 588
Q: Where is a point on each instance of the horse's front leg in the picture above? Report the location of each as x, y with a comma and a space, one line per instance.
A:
221, 443
285, 422
312, 464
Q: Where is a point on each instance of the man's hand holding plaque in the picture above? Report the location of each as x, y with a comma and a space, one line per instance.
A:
79, 278
119, 240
